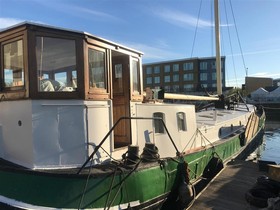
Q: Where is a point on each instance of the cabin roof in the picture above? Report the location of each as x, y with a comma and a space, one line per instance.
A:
30, 24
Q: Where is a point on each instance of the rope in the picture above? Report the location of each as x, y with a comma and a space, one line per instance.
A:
235, 26
150, 154
122, 182
231, 49
84, 192
195, 33
111, 187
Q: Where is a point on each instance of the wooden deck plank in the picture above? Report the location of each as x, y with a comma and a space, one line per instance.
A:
227, 190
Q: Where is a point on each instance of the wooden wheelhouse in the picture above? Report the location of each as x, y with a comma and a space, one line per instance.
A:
45, 67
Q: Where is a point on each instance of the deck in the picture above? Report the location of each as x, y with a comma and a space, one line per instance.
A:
227, 190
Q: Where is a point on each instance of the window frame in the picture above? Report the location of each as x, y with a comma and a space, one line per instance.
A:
149, 70
19, 33
157, 69
167, 68
157, 80
157, 124
52, 33
97, 89
203, 65
97, 93
188, 66
202, 76
136, 95
174, 67
52, 74
25, 72
175, 78
167, 79
188, 77
188, 87
181, 123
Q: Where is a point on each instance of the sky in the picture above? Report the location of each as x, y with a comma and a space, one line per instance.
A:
169, 29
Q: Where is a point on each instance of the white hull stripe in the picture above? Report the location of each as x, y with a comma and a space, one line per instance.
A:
19, 204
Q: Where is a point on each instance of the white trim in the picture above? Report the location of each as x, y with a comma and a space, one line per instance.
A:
22, 205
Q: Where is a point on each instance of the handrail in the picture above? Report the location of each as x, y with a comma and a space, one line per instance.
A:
111, 130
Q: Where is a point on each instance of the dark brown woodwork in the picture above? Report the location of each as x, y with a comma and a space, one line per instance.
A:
121, 98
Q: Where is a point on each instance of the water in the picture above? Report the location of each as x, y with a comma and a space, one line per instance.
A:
270, 150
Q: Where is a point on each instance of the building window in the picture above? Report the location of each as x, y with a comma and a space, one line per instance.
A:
149, 80
175, 67
175, 88
167, 88
214, 76
203, 76
181, 121
214, 85
213, 64
167, 78
187, 66
149, 70
56, 65
156, 69
188, 77
188, 87
204, 85
167, 68
176, 78
158, 125
13, 65
156, 80
203, 65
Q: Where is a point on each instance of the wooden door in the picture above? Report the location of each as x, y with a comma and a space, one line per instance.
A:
121, 98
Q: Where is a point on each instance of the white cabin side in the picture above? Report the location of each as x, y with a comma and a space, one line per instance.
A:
179, 119
53, 133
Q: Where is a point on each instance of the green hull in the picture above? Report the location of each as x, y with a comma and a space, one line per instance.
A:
143, 185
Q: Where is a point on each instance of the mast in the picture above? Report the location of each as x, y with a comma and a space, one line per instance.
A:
218, 53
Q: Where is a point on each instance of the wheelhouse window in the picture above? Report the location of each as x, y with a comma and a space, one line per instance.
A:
158, 125
181, 121
56, 64
135, 77
97, 70
13, 65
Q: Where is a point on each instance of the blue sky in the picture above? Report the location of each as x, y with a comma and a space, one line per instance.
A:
165, 29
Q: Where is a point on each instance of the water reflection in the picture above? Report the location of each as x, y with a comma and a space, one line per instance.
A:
271, 145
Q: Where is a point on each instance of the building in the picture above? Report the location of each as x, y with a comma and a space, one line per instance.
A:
253, 83
184, 76
276, 82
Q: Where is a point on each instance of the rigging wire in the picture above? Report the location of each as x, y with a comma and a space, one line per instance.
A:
233, 62
246, 69
212, 29
197, 22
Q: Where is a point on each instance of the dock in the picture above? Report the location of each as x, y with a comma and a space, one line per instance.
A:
227, 190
